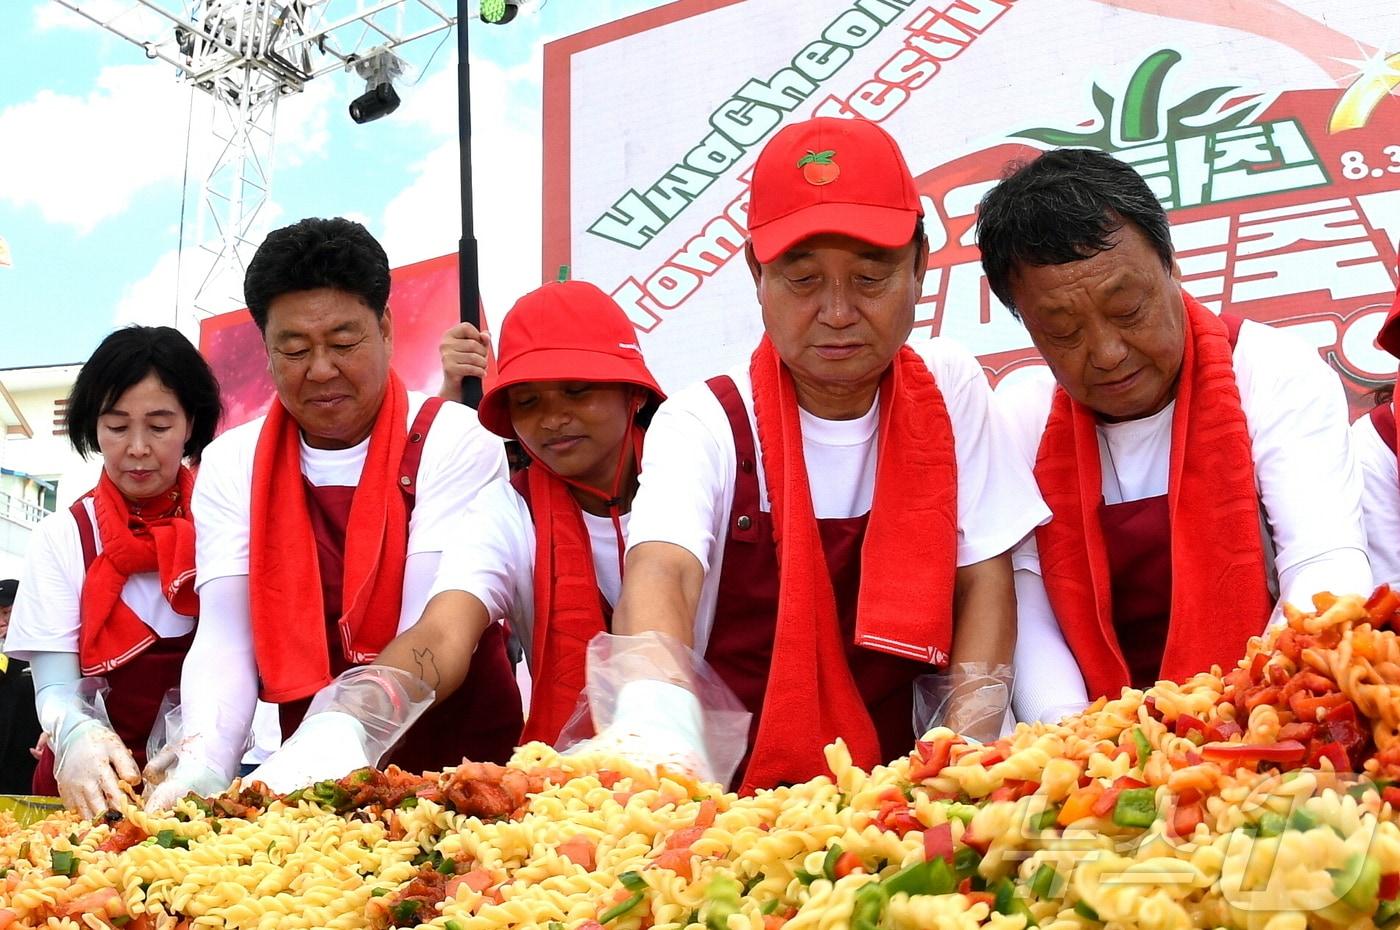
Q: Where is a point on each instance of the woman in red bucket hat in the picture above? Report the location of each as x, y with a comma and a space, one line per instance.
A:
1373, 439
544, 551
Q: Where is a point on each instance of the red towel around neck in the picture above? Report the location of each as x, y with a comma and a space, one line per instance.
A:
110, 633
1219, 594
288, 613
908, 566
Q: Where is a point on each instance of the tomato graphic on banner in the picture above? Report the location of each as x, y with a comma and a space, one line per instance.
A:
1273, 214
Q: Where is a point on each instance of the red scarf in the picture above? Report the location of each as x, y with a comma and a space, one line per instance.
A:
568, 604
908, 558
1219, 596
289, 630
110, 633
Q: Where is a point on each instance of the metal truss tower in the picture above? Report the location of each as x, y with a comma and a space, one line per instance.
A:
247, 55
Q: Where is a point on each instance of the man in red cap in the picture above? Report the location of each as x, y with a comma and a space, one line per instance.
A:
1197, 466
831, 520
545, 548
1373, 437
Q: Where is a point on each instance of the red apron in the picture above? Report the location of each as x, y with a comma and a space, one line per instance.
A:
482, 719
138, 686
1137, 536
740, 648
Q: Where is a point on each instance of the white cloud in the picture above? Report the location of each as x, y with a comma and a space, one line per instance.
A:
130, 17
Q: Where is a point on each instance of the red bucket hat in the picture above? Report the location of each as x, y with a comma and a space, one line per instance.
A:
568, 331
831, 175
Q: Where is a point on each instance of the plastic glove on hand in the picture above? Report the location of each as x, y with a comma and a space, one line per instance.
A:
177, 771
655, 723
328, 745
91, 763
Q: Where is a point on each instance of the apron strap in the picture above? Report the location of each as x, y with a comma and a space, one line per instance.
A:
89, 538
742, 523
1233, 322
413, 452
1383, 419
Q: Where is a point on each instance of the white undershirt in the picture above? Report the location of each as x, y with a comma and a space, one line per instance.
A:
219, 682
1305, 471
1380, 500
689, 468
493, 558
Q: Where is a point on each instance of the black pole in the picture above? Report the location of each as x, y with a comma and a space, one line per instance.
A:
468, 275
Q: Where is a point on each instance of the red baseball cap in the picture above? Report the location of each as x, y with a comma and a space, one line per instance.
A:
831, 175
1389, 336
569, 331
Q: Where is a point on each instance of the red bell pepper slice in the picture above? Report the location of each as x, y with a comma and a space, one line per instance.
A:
847, 863
931, 758
1256, 667
1333, 752
1390, 886
1221, 730
1269, 694
1186, 723
1311, 708
938, 843
1286, 752
1381, 605
1104, 803
1341, 713
1391, 796
1186, 818
1300, 732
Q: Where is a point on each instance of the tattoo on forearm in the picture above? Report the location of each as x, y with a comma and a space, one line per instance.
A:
427, 667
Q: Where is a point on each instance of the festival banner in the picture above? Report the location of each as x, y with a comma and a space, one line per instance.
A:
1270, 129
422, 303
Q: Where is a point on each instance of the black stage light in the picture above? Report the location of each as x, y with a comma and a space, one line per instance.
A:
379, 100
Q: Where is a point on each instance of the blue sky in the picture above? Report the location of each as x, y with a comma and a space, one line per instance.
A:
93, 153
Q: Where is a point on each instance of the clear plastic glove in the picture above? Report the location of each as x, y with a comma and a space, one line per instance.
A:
653, 701
351, 723
463, 351
90, 763
1061, 711
970, 698
180, 769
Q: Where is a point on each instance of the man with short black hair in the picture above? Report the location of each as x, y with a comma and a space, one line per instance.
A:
320, 528
1197, 466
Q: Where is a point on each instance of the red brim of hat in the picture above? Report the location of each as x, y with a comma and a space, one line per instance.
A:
1389, 336
886, 227
557, 365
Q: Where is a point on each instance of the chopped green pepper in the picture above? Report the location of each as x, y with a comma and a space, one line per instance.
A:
770, 906
963, 812
361, 776
445, 865
121, 920
378, 892
452, 925
722, 897
1271, 824
752, 883
1387, 911
1359, 883
1301, 820
805, 877
633, 881
405, 913
1007, 901
1046, 819
1047, 883
555, 925
169, 839
408, 803
931, 877
63, 863
829, 863
621, 909
1144, 748
869, 906
1135, 807
1088, 913
965, 862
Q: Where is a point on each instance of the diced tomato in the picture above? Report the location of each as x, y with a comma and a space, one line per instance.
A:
1341, 712
1324, 601
7, 917
608, 778
1302, 732
1186, 723
622, 797
1391, 796
977, 843
91, 903
1266, 695
1150, 705
1278, 675
930, 758
938, 843
1310, 708
1186, 817
1128, 781
1390, 886
477, 880
1382, 605
773, 921
965, 886
140, 922
981, 897
684, 838
1013, 789
1256, 667
123, 837
589, 925
1221, 730
847, 863
677, 860
992, 756
1307, 681
1290, 644
579, 850
705, 817
1104, 803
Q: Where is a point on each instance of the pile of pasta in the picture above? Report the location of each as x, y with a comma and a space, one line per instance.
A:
1259, 798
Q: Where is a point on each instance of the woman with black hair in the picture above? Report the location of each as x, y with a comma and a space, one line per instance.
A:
107, 597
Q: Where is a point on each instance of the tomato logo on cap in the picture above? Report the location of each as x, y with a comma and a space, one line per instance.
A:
818, 167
